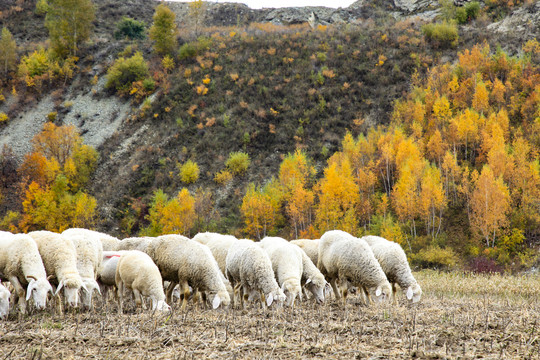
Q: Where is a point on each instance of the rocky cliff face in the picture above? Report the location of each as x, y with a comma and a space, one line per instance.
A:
230, 14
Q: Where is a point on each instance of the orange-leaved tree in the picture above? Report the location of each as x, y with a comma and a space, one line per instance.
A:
54, 175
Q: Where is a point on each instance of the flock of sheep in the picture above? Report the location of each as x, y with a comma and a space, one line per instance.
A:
211, 266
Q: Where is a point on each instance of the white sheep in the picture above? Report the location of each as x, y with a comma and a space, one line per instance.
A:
22, 266
310, 247
348, 259
5, 294
218, 244
89, 254
106, 275
394, 263
135, 243
249, 268
60, 260
110, 243
312, 279
287, 264
188, 263
137, 271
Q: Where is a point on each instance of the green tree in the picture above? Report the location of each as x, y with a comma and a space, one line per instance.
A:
69, 23
163, 30
8, 51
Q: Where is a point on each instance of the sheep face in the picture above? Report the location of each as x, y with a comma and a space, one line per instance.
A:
317, 289
71, 291
413, 293
86, 295
160, 305
38, 289
275, 296
4, 302
219, 298
381, 293
291, 290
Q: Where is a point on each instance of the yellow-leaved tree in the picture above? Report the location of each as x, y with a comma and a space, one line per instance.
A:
490, 204
171, 216
338, 198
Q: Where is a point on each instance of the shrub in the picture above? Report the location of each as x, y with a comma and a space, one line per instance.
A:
3, 117
188, 50
443, 34
238, 162
192, 49
189, 172
125, 71
52, 116
435, 257
129, 28
223, 177
468, 12
149, 84
483, 264
35, 64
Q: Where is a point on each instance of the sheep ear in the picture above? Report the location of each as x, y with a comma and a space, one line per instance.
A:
85, 289
378, 292
59, 288
269, 299
409, 293
97, 287
308, 281
29, 290
216, 302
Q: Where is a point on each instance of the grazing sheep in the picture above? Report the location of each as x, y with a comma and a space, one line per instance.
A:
394, 263
137, 272
135, 243
21, 264
249, 268
110, 243
188, 263
4, 301
89, 254
106, 276
60, 260
219, 245
310, 247
312, 279
287, 262
348, 259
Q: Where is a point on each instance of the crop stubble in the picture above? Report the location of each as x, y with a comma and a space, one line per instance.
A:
460, 316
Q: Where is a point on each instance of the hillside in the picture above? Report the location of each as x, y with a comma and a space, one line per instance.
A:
273, 85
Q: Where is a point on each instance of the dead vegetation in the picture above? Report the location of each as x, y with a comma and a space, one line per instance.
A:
460, 316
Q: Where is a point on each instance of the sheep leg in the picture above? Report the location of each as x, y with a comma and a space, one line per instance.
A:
170, 290
120, 291
184, 289
236, 293
19, 291
138, 299
394, 297
333, 282
367, 297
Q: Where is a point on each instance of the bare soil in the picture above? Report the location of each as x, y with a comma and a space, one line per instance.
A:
452, 321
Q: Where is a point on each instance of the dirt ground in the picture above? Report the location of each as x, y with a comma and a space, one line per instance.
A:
459, 317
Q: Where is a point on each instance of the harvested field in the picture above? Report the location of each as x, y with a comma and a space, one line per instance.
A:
459, 316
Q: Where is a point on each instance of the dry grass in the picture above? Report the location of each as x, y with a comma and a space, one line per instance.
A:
460, 316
